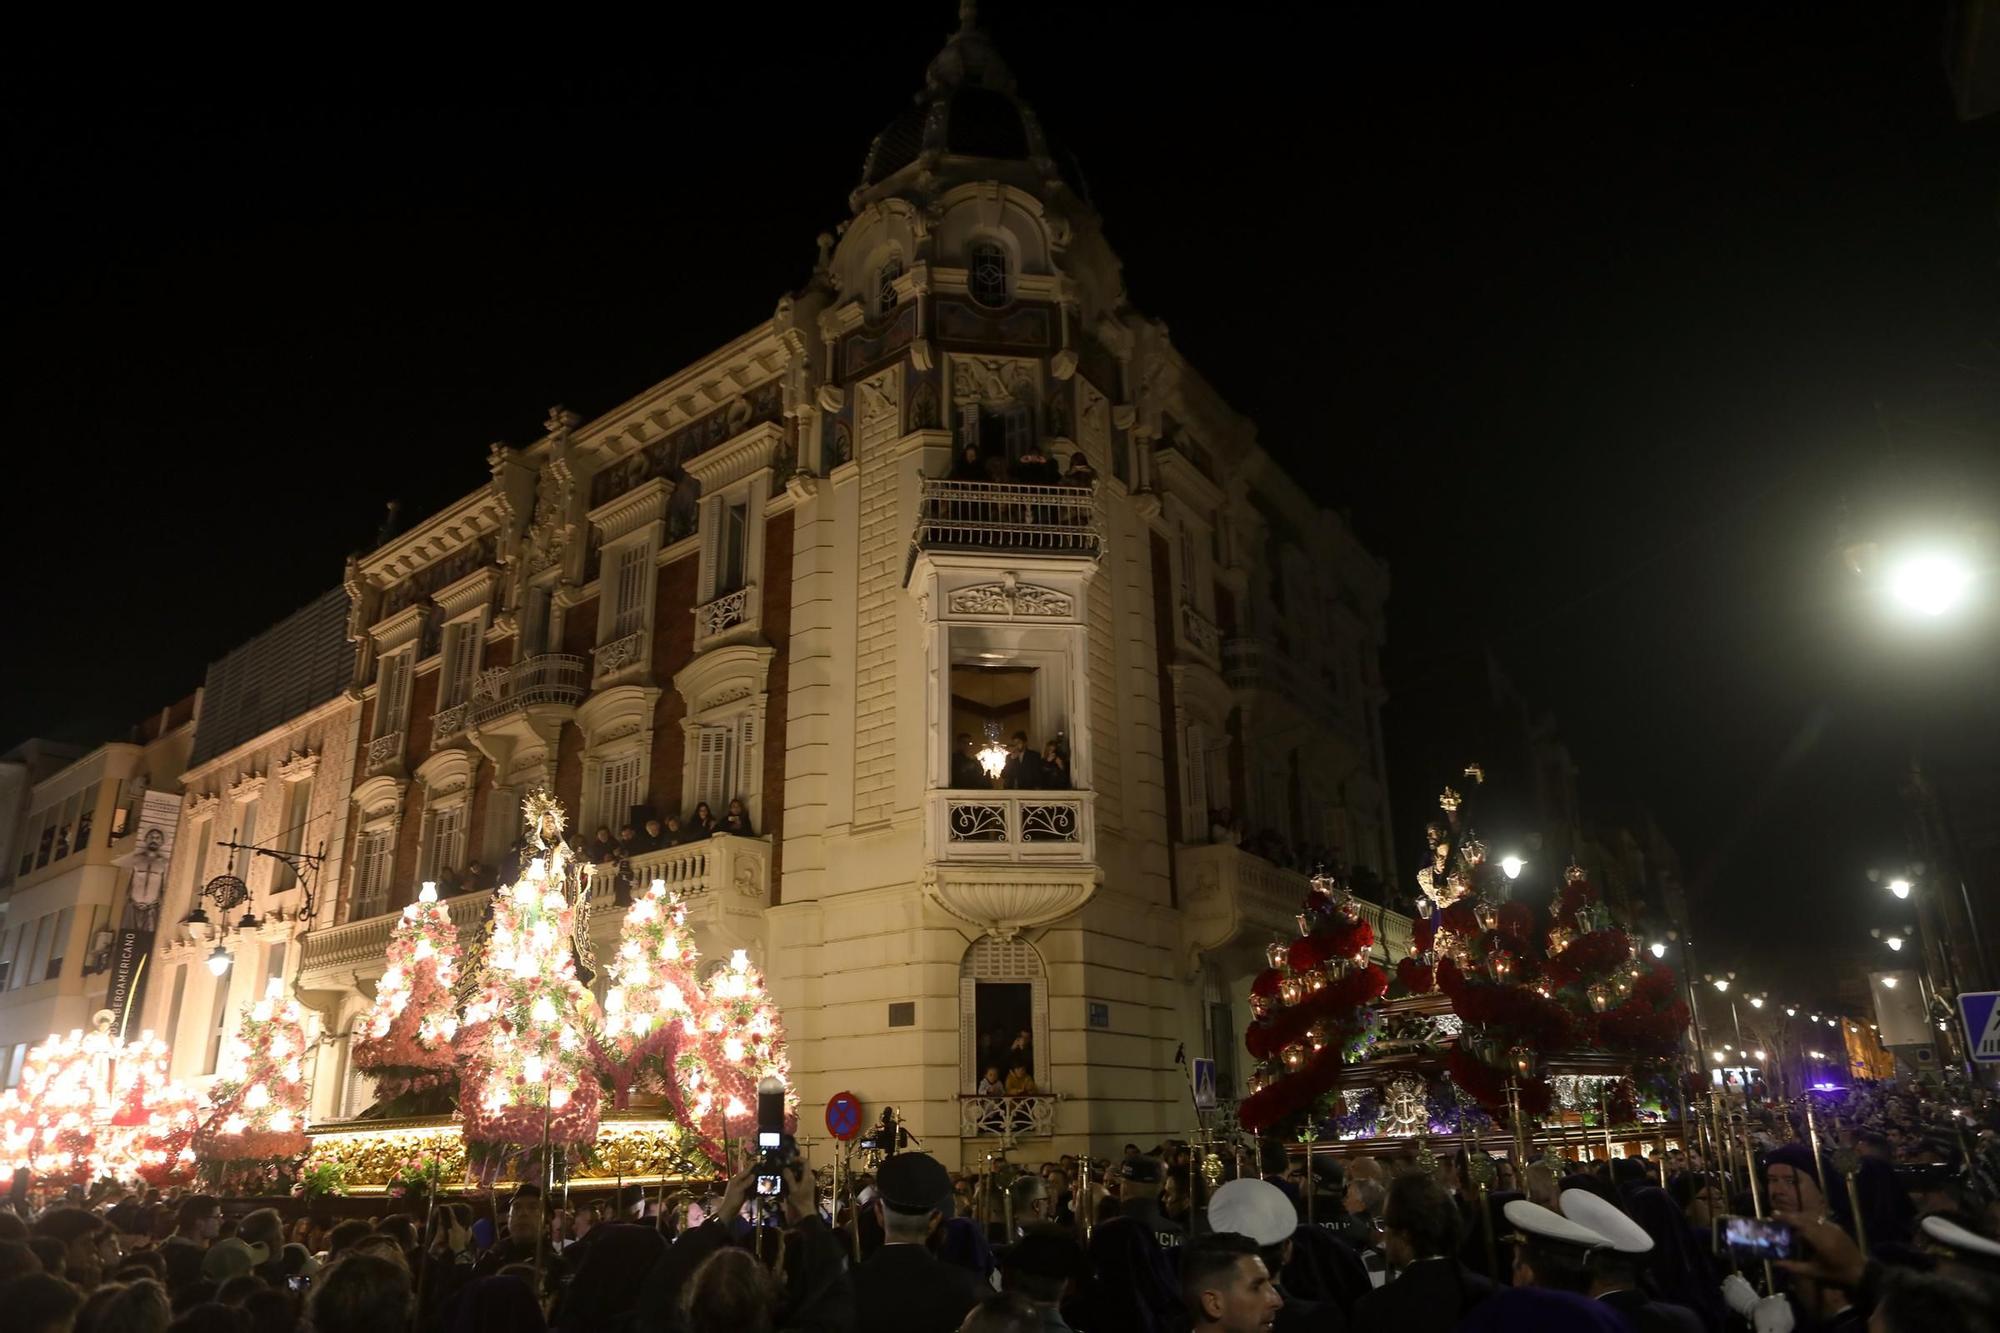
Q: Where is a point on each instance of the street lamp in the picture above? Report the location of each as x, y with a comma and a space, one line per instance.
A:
218, 962
1890, 982
1512, 865
1900, 887
1929, 583
1756, 1002
1659, 948
1791, 1011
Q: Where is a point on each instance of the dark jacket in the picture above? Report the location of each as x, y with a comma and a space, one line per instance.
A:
1651, 1316
1430, 1296
1023, 772
905, 1289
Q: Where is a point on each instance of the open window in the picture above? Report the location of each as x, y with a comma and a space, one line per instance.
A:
1003, 1016
1009, 711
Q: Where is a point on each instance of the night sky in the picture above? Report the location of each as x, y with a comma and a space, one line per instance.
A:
1600, 334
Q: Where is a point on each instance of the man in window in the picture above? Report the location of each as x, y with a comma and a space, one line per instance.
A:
1024, 767
965, 769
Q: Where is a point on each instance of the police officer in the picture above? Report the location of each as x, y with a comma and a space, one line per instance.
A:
1139, 1182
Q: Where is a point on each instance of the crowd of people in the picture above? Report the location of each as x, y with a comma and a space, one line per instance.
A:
1396, 1240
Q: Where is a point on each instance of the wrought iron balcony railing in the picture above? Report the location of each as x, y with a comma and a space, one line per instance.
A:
985, 515
548, 678
385, 752
1027, 1116
976, 825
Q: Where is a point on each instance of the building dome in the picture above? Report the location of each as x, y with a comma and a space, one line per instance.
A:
968, 108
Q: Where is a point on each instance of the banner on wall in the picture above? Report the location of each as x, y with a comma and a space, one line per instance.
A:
132, 943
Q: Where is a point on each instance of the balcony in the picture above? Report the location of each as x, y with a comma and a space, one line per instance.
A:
330, 957
549, 680
983, 825
385, 755
448, 724
725, 882
715, 618
1234, 900
1200, 634
621, 654
996, 516
1030, 1116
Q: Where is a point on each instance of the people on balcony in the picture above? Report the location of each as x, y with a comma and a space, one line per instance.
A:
1020, 1081
654, 835
478, 876
1033, 468
450, 883
1080, 472
969, 466
671, 832
1055, 767
602, 849
993, 1085
1024, 766
701, 824
736, 820
965, 769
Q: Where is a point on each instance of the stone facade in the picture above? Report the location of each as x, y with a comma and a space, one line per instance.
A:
763, 579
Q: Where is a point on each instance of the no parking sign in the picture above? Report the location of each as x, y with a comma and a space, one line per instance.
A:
843, 1116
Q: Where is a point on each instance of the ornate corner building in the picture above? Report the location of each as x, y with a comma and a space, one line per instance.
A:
826, 573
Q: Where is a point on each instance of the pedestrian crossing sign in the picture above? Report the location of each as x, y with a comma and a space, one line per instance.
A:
1981, 1010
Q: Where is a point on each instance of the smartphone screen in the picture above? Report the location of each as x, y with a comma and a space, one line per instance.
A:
769, 1138
769, 1186
1759, 1238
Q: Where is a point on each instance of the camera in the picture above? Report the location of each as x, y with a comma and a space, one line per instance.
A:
298, 1282
887, 1137
773, 1153
1755, 1238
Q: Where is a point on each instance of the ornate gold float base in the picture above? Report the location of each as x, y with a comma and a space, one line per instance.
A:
379, 1156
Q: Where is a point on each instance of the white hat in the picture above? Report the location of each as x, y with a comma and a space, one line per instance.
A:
1949, 1233
1540, 1223
1619, 1231
1254, 1208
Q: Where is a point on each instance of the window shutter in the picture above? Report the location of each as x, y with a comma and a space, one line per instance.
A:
712, 517
461, 653
629, 610
712, 766
746, 754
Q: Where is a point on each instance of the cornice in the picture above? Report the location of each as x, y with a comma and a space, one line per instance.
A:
478, 515
405, 626
469, 593
734, 459
625, 515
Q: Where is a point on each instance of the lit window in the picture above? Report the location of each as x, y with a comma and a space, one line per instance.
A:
885, 285
988, 276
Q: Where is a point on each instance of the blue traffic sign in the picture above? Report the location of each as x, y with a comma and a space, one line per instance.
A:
1981, 1011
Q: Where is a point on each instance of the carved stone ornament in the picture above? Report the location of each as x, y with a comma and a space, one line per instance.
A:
978, 379
297, 765
1007, 902
1010, 598
727, 695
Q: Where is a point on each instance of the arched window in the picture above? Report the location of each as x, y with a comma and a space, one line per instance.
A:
987, 275
885, 284
1003, 1012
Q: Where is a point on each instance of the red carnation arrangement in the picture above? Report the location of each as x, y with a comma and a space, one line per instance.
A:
1488, 1086
1338, 999
1417, 979
1592, 958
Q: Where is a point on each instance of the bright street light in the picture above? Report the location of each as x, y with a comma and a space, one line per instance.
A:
1895, 943
1900, 887
1931, 583
1756, 1002
1721, 983
218, 962
1890, 982
1659, 948
1791, 1011
1758, 1054
1513, 865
